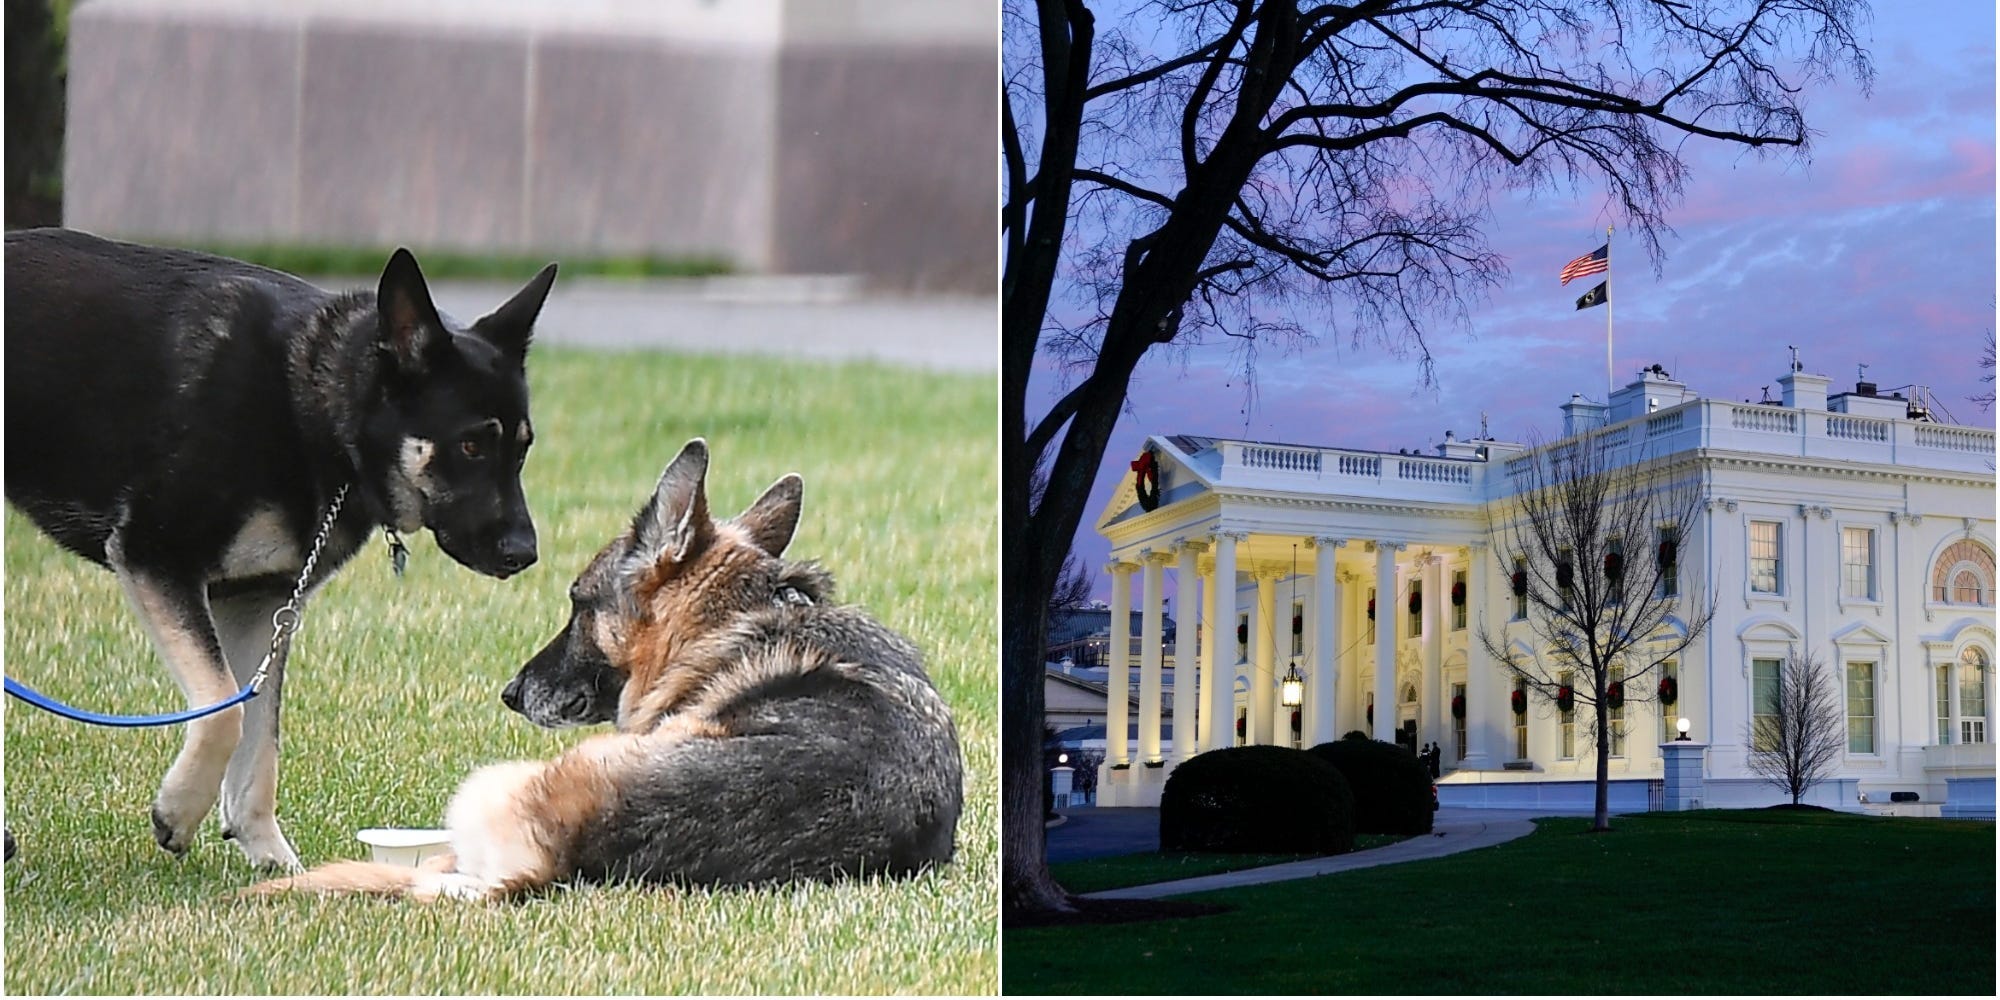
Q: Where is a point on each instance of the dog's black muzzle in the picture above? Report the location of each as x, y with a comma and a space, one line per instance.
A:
563, 686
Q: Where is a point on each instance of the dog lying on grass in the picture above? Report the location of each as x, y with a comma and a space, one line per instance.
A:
764, 734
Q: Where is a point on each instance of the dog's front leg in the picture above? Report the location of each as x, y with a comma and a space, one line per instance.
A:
250, 786
176, 615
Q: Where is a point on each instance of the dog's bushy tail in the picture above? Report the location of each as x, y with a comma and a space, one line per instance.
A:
435, 879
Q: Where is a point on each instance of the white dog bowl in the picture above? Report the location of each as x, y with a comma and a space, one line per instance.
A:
405, 847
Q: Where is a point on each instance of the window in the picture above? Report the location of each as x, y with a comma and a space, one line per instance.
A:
1669, 556
1965, 677
1857, 563
1963, 574
1298, 630
1371, 616
1764, 704
1519, 583
1565, 576
1459, 600
1416, 608
1615, 716
1766, 556
1861, 708
1668, 714
1458, 719
1972, 696
1944, 705
1568, 721
1243, 638
1614, 569
1520, 697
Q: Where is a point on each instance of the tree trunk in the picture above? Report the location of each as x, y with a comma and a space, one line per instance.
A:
1025, 884
1602, 821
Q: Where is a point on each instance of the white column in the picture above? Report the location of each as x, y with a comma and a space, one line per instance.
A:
1322, 685
1222, 681
1186, 590
1264, 636
1209, 671
1385, 640
1482, 703
1118, 680
1432, 659
1151, 635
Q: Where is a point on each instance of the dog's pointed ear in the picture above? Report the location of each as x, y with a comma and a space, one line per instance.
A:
511, 326
775, 516
412, 333
674, 524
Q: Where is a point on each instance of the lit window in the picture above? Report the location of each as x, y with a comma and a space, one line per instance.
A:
1298, 630
1615, 716
1667, 713
1764, 704
1972, 696
1766, 556
1242, 638
1861, 708
1568, 722
1416, 608
1857, 563
1460, 600
1520, 697
1963, 574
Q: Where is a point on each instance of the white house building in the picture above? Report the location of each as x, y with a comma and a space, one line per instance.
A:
1851, 525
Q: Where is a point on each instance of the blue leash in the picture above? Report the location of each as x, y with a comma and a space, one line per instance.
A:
284, 622
48, 704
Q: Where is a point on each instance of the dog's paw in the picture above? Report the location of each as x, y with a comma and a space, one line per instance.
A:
266, 849
168, 836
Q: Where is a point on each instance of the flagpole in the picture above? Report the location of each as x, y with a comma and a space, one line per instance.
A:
1610, 380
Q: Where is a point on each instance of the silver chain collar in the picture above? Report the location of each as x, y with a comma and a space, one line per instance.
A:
285, 621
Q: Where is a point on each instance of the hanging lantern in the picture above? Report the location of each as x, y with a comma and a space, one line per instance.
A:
1292, 691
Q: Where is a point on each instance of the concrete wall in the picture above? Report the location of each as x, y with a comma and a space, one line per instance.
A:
781, 135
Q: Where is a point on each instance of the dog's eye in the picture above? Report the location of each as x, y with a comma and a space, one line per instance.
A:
471, 448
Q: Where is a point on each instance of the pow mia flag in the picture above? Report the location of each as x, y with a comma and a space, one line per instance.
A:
1595, 297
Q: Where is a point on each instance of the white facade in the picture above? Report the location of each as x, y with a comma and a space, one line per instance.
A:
1873, 541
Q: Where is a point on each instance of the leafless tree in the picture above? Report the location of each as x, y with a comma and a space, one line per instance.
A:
1985, 399
1592, 540
1266, 173
1796, 733
1072, 587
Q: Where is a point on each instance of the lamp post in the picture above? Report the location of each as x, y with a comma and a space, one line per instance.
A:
1292, 690
1683, 726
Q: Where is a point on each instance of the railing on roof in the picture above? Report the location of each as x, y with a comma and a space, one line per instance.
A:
1716, 425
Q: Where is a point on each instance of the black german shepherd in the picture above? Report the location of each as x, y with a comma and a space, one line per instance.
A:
186, 420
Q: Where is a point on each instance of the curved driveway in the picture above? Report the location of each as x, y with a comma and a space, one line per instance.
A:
1092, 833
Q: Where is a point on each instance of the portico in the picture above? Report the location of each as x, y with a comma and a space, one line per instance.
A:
1365, 615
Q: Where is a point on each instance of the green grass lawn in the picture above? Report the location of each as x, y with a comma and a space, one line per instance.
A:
1119, 871
1681, 903
392, 697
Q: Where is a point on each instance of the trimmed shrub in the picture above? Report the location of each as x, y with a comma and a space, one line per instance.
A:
1392, 789
1257, 799
1354, 734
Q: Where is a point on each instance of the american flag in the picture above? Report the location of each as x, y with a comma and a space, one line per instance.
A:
1595, 262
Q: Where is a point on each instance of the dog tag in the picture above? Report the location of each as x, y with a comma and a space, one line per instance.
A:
399, 554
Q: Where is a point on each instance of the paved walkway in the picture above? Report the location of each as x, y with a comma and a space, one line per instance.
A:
1103, 832
825, 318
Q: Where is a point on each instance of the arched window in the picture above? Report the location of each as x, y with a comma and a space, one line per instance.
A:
1963, 574
1961, 697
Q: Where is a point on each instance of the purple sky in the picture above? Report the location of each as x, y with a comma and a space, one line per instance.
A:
1880, 251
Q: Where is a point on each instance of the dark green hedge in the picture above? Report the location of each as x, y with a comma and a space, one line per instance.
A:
1274, 800
1392, 789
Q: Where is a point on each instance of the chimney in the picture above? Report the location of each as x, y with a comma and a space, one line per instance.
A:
1803, 391
1581, 415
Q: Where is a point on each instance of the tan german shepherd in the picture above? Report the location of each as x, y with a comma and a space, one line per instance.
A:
764, 734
